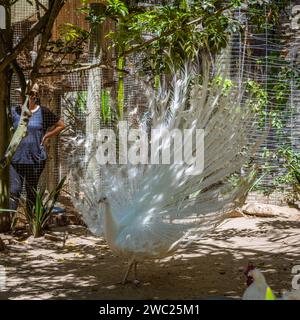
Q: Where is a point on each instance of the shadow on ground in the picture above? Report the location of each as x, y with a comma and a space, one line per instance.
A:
212, 266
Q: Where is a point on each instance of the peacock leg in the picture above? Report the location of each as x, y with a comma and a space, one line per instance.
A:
130, 264
135, 280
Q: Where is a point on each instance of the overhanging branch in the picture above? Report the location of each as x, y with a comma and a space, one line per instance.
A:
24, 42
53, 13
45, 23
80, 69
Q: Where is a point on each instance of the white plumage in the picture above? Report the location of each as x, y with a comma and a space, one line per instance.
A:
146, 210
258, 288
139, 239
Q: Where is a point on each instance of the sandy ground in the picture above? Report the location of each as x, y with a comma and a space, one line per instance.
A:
209, 268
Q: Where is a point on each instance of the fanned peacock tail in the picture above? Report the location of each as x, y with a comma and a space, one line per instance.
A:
198, 97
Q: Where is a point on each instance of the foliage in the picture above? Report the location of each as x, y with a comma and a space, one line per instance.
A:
120, 97
12, 61
262, 14
179, 29
287, 182
226, 83
81, 101
71, 40
43, 208
270, 107
279, 83
290, 160
171, 32
257, 100
74, 111
234, 179
116, 8
105, 106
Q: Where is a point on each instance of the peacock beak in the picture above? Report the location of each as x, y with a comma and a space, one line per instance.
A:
102, 200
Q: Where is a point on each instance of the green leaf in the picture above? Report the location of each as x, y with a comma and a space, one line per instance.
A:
117, 7
105, 106
43, 208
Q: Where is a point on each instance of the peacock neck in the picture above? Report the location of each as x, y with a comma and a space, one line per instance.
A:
111, 226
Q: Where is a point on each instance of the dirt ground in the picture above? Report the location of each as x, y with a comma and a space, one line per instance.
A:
211, 267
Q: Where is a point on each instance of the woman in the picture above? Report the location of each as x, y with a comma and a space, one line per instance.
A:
30, 157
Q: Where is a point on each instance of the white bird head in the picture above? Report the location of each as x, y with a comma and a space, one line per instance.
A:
257, 276
103, 199
249, 277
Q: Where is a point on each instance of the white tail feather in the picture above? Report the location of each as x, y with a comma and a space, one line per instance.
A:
156, 205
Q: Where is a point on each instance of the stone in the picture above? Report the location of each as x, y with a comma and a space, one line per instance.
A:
269, 211
235, 214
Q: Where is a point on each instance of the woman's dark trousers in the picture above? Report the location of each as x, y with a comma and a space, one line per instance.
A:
30, 174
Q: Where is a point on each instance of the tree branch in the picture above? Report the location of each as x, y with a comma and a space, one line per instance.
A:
20, 75
18, 135
23, 43
41, 5
169, 32
127, 52
54, 11
25, 113
80, 69
17, 69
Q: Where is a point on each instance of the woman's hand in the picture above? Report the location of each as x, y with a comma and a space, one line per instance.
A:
58, 127
45, 139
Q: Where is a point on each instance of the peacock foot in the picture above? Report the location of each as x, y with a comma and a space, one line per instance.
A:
136, 282
123, 282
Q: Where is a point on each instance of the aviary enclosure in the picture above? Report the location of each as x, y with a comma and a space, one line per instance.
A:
177, 167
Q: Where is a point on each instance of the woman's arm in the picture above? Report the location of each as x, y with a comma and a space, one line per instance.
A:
58, 127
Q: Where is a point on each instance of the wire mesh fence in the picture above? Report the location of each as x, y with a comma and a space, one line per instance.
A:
86, 100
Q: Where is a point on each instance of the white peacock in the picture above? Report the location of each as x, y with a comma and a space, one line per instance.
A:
145, 211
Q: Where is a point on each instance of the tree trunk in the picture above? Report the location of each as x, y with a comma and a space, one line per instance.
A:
93, 119
5, 79
4, 141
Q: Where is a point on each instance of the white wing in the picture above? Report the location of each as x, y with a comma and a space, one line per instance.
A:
145, 239
253, 292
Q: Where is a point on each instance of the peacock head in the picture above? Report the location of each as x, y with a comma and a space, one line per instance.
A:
103, 199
